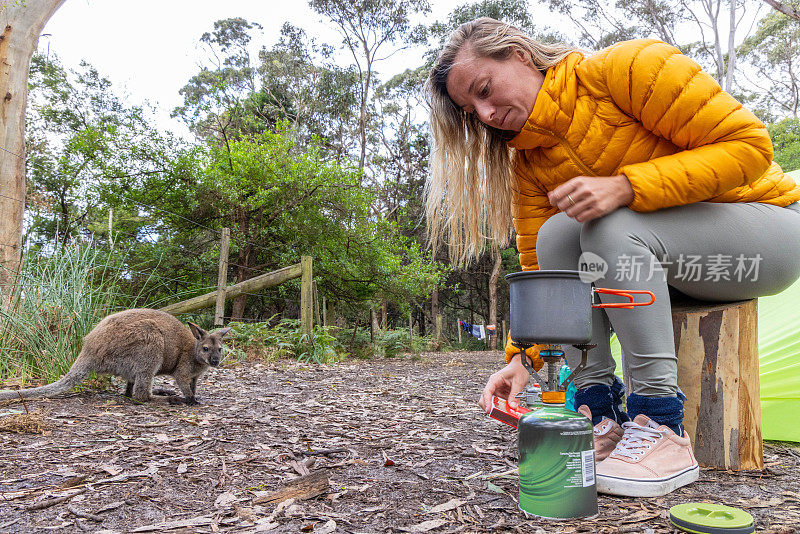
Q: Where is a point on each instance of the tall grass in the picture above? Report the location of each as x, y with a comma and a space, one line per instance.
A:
59, 298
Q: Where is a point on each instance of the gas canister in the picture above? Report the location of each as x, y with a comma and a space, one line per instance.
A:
556, 461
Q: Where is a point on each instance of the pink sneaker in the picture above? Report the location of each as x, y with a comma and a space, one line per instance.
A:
649, 461
607, 434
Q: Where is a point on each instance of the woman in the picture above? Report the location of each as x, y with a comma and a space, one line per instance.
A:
634, 157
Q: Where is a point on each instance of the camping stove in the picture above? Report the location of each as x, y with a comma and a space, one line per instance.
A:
552, 388
555, 307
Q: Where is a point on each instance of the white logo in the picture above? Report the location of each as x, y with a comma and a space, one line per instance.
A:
591, 267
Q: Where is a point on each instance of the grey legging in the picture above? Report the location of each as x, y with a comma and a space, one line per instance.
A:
756, 246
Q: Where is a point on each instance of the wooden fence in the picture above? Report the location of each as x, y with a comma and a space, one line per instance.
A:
302, 270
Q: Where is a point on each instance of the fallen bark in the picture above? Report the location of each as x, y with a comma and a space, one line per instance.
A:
52, 502
303, 488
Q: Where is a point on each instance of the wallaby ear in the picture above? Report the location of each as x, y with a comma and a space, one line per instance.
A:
197, 332
221, 333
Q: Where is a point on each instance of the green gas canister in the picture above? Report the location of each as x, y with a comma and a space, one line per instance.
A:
556, 461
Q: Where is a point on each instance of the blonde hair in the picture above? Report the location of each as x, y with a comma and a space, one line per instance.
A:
468, 192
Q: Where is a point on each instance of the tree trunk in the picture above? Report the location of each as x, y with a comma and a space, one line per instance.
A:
785, 9
731, 48
362, 120
493, 297
723, 407
21, 22
434, 306
471, 308
237, 309
332, 319
373, 323
355, 330
242, 274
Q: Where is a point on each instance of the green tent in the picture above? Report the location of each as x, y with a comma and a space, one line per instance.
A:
779, 361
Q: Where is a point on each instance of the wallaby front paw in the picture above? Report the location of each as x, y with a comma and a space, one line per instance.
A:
191, 401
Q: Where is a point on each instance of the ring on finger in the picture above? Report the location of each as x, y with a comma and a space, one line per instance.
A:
572, 202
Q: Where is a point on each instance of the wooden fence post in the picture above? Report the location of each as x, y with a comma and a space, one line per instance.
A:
410, 327
324, 311
438, 327
222, 277
306, 295
458, 327
505, 339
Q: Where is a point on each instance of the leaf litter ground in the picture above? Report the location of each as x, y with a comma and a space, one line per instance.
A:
399, 445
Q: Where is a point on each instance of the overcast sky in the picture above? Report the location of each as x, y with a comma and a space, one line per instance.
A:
149, 48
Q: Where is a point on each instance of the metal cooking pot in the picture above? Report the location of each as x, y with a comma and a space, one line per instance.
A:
555, 307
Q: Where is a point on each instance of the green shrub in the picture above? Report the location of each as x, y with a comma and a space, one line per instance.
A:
387, 344
786, 141
320, 348
286, 339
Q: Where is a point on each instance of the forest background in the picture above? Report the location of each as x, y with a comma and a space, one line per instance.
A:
306, 147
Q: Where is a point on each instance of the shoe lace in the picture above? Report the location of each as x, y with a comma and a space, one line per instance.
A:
636, 439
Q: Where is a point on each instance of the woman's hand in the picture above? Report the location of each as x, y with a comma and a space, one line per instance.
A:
588, 197
505, 383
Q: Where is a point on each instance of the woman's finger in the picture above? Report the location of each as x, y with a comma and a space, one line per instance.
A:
482, 401
561, 195
516, 388
576, 210
497, 385
486, 396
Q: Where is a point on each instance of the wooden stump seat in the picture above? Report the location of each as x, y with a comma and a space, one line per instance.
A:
717, 348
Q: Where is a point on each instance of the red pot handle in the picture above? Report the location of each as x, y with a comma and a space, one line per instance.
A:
623, 293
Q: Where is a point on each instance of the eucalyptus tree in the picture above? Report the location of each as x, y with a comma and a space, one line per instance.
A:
300, 83
22, 23
367, 27
402, 150
774, 51
239, 96
514, 12
241, 91
218, 100
279, 137
708, 30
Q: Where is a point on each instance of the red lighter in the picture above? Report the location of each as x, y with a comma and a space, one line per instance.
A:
503, 412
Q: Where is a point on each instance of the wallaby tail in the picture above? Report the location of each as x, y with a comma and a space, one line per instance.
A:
76, 374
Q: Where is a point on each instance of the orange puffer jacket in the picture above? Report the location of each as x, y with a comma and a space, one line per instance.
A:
642, 109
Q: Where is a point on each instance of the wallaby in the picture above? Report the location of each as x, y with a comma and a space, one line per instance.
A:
138, 345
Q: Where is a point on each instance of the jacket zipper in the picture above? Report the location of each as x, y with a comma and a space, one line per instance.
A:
573, 156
